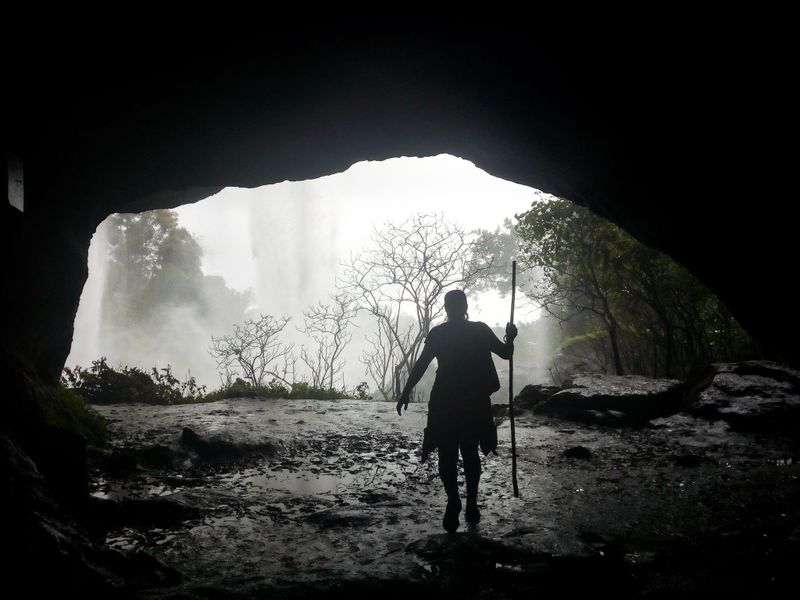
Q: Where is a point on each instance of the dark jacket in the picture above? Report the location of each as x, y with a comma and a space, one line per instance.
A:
459, 405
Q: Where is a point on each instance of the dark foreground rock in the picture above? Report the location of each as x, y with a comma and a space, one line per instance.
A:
124, 462
614, 400
753, 396
48, 551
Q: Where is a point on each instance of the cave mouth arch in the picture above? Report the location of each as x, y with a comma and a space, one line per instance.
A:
615, 129
274, 238
292, 237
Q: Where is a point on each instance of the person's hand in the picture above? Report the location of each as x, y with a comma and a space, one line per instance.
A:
511, 332
402, 402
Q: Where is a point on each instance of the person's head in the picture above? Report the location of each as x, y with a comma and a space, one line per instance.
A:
455, 305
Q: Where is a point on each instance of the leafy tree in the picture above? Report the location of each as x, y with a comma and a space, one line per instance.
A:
685, 324
578, 256
494, 250
157, 304
153, 262
623, 306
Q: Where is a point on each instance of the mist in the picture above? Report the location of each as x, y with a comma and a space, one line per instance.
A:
278, 249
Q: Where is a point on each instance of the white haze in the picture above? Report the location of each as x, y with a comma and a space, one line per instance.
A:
285, 243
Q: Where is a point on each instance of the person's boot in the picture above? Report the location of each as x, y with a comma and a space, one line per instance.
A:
451, 512
472, 515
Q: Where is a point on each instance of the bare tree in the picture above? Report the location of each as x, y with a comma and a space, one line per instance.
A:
379, 357
253, 351
329, 326
406, 270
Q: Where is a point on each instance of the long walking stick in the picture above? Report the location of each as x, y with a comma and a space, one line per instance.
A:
511, 387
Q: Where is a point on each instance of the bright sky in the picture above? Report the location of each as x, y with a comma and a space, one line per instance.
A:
285, 241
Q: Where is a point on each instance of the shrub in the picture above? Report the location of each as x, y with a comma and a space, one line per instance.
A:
362, 391
101, 384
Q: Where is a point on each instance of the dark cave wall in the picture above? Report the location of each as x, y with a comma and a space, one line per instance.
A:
667, 141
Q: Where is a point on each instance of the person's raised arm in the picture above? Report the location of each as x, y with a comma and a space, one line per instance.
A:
417, 371
504, 350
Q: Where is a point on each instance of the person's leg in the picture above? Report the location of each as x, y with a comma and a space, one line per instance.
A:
472, 474
448, 472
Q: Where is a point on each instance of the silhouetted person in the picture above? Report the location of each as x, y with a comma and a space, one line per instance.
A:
460, 411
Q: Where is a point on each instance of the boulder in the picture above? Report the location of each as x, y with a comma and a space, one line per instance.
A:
753, 396
158, 457
120, 463
209, 450
219, 450
614, 400
532, 395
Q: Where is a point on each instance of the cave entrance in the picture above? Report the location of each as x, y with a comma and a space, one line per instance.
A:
263, 458
309, 266
162, 283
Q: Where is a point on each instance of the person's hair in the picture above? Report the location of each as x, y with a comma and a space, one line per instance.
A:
454, 301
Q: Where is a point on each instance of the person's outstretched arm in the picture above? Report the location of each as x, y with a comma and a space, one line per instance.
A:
417, 371
505, 350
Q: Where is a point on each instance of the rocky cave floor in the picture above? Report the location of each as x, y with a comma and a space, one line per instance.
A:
306, 498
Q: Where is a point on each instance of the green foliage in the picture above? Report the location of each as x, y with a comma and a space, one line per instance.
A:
303, 389
102, 384
244, 389
589, 337
65, 408
623, 306
275, 389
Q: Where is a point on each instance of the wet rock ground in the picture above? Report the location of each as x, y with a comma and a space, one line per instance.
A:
317, 498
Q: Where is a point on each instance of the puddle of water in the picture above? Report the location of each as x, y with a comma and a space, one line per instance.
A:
298, 483
371, 473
